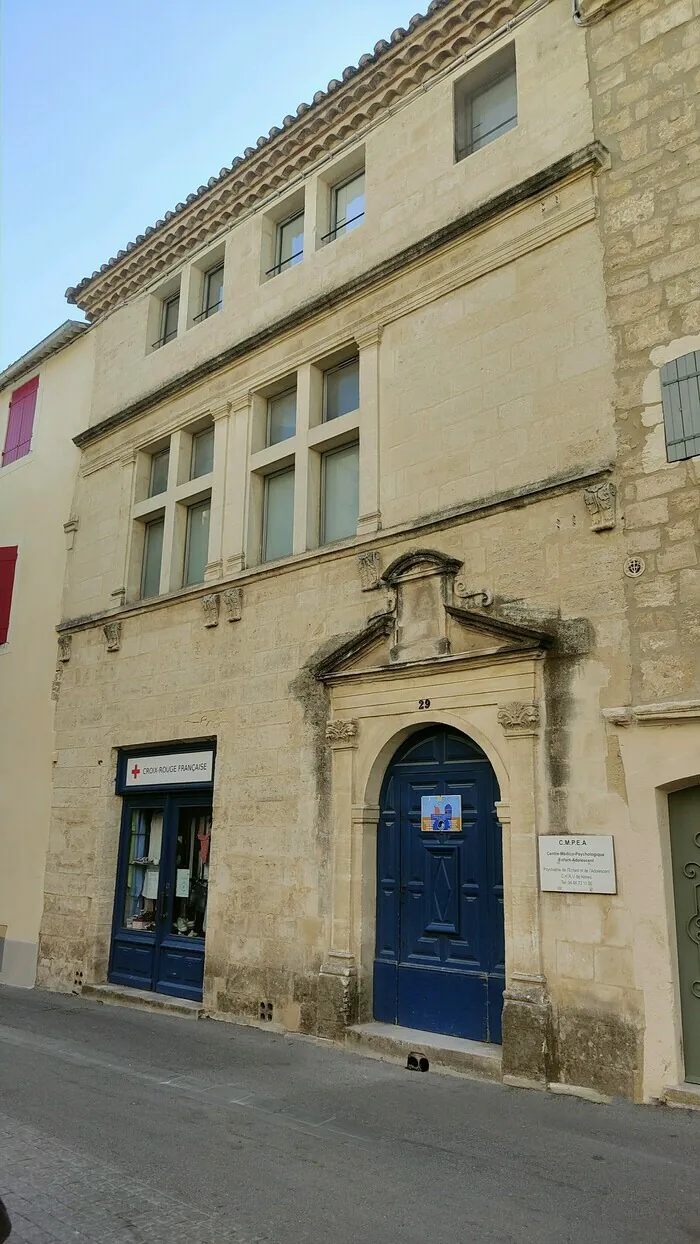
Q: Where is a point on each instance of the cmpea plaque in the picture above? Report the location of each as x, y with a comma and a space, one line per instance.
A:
577, 865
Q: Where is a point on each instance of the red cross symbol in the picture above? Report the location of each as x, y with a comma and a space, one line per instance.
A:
135, 772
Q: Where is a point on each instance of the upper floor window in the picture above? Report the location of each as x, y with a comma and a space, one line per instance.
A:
158, 481
680, 398
152, 558
278, 515
340, 493
341, 390
169, 318
20, 422
347, 205
213, 292
202, 461
486, 103
289, 244
8, 562
196, 542
281, 417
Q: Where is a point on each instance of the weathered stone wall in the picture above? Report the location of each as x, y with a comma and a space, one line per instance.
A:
645, 77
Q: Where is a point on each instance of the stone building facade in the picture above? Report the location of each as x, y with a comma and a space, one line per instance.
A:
351, 538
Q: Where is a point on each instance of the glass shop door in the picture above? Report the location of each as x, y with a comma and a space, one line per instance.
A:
160, 916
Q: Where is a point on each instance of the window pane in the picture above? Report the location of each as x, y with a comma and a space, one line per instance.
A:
152, 557
494, 111
214, 288
342, 390
279, 515
281, 417
202, 453
349, 205
145, 842
197, 546
290, 242
170, 314
159, 473
341, 494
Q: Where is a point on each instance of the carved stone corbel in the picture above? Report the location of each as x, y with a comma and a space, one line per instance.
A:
56, 684
341, 733
370, 570
517, 718
600, 502
210, 607
233, 603
65, 643
70, 529
113, 635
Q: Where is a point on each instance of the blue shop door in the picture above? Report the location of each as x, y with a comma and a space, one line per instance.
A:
440, 952
159, 928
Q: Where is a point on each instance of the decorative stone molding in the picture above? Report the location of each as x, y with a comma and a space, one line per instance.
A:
517, 718
56, 684
233, 603
370, 569
70, 529
210, 608
113, 635
650, 714
341, 733
65, 643
119, 595
482, 598
601, 505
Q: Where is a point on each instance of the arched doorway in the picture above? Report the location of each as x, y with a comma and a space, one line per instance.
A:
440, 946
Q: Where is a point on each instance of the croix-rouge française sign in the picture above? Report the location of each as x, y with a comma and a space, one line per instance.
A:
177, 769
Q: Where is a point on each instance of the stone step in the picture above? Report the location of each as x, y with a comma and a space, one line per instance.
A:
397, 1044
687, 1095
143, 1000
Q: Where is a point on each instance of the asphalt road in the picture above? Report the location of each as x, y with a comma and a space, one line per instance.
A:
120, 1126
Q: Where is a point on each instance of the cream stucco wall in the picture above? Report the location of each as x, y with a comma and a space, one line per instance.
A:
35, 501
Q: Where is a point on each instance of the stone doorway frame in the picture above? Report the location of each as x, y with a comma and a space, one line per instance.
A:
494, 701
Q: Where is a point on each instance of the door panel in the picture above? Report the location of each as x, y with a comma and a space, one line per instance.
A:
440, 941
684, 818
161, 895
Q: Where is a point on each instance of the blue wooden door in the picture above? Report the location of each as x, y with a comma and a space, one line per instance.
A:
159, 925
440, 951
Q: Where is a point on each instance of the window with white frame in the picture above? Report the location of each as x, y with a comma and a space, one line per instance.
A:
171, 512
340, 493
278, 515
486, 103
289, 244
281, 417
341, 389
347, 206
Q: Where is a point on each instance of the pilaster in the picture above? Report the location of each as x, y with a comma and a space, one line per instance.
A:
338, 976
368, 342
215, 565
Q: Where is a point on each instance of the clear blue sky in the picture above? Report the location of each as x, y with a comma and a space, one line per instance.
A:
114, 110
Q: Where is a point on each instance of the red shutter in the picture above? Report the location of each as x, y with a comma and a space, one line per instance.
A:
20, 422
8, 560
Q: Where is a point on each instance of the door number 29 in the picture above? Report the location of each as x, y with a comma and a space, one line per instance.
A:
423, 704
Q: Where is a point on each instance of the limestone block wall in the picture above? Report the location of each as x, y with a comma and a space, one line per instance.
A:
645, 67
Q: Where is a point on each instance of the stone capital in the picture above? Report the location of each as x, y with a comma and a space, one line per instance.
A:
368, 335
341, 734
518, 719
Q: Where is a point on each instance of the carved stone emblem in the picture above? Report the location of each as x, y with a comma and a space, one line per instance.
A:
341, 731
56, 684
370, 569
210, 607
65, 643
600, 503
233, 603
113, 635
517, 717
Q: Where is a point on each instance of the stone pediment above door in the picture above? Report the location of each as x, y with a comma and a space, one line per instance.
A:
423, 622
